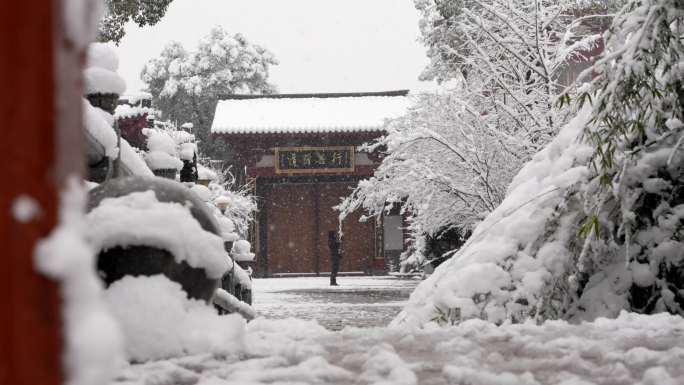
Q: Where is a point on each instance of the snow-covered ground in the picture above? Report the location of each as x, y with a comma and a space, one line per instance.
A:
177, 341
633, 349
357, 301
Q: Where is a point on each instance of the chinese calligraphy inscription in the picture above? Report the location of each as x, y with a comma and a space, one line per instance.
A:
314, 159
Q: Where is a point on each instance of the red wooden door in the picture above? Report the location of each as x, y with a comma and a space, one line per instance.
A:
291, 229
357, 240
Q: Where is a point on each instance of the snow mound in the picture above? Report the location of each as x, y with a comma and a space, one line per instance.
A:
161, 141
159, 321
227, 228
102, 81
269, 337
294, 328
500, 272
124, 111
383, 366
188, 151
225, 224
100, 76
100, 129
202, 192
93, 339
139, 219
163, 154
241, 251
102, 55
132, 160
242, 276
229, 302
205, 173
157, 160
632, 349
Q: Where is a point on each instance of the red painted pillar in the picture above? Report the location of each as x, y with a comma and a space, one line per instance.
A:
39, 145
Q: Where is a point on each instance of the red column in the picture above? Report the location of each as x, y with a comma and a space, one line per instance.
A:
40, 145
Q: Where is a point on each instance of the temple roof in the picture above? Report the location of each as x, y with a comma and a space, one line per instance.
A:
308, 113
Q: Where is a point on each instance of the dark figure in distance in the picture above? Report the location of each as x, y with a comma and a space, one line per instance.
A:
335, 246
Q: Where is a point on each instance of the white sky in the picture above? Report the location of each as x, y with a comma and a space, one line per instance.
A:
322, 45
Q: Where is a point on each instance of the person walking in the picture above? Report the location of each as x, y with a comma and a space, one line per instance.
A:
335, 246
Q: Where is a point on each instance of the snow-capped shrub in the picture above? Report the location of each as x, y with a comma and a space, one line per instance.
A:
632, 254
595, 223
500, 271
205, 173
449, 160
239, 206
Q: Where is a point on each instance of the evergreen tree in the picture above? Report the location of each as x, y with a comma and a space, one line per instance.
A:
450, 160
119, 12
187, 85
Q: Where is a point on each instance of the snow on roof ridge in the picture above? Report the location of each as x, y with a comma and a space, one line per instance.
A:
124, 111
277, 128
402, 92
304, 113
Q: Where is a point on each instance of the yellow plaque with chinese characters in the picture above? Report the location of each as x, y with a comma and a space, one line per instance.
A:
314, 160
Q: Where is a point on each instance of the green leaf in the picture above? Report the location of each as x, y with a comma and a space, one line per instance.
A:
591, 224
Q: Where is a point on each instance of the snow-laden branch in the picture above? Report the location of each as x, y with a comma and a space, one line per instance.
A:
450, 160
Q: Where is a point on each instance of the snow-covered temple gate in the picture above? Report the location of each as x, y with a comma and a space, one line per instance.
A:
299, 152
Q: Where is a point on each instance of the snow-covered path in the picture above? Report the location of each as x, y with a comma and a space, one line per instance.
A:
633, 349
358, 301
